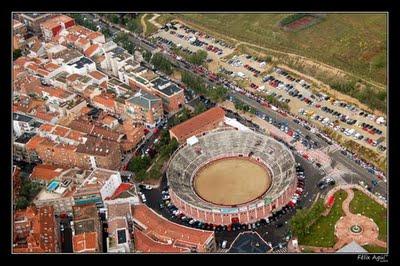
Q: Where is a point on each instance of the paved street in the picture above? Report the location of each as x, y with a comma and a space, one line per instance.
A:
65, 235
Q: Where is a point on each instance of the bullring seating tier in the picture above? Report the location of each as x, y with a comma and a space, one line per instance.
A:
186, 161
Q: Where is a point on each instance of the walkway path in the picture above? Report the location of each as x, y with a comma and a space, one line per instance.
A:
368, 234
345, 228
143, 22
155, 23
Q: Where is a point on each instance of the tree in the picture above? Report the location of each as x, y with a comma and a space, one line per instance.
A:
114, 18
106, 32
198, 58
21, 203
161, 63
184, 115
29, 189
138, 164
147, 56
199, 108
172, 146
218, 94
16, 54
141, 175
193, 82
132, 25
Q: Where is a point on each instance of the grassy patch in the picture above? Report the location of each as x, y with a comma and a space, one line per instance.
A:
366, 206
322, 232
150, 28
164, 18
375, 249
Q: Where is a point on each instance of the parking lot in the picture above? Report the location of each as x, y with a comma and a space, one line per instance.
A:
297, 93
193, 40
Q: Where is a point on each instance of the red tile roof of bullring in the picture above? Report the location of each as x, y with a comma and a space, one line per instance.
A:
198, 121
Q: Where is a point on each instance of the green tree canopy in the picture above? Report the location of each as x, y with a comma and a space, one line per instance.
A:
198, 58
161, 63
16, 54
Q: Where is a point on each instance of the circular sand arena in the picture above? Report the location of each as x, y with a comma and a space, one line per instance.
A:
231, 181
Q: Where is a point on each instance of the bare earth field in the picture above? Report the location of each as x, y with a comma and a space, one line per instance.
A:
231, 181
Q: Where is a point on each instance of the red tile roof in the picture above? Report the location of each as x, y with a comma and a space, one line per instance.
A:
51, 67
143, 243
105, 101
198, 122
75, 135
45, 116
45, 172
40, 229
60, 131
93, 35
108, 120
34, 142
46, 127
97, 74
165, 231
85, 242
71, 38
123, 187
55, 21
91, 50
82, 41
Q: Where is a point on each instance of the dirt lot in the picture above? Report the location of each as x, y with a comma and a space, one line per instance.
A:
231, 181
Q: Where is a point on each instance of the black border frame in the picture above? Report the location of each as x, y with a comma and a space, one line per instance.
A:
205, 6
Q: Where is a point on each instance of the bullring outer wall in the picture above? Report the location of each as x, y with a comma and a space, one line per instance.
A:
247, 213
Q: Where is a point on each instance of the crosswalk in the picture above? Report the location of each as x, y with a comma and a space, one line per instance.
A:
281, 250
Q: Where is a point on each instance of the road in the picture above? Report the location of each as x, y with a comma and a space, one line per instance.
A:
65, 235
360, 174
360, 171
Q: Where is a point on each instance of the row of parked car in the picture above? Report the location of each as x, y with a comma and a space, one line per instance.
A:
326, 182
165, 41
326, 98
300, 186
205, 36
369, 128
214, 49
289, 88
372, 169
287, 76
344, 118
252, 69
